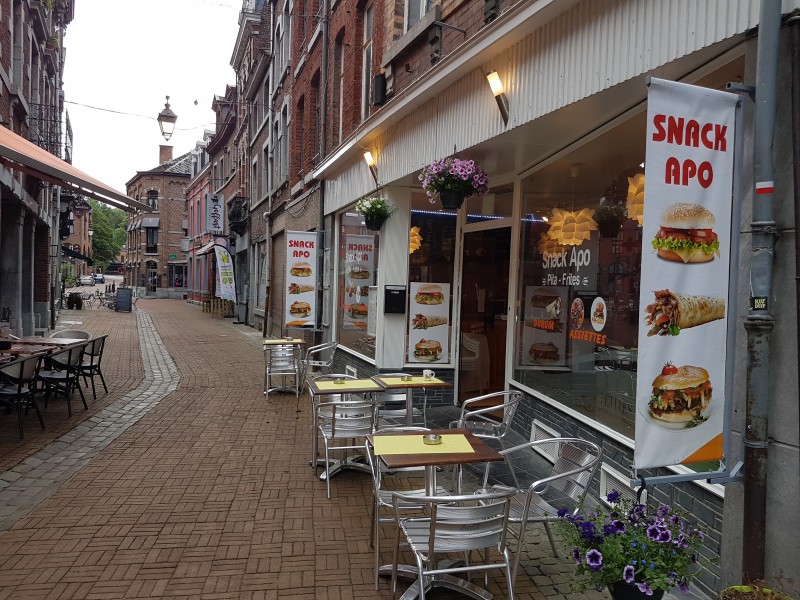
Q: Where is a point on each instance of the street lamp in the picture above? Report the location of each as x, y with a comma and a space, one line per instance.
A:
166, 121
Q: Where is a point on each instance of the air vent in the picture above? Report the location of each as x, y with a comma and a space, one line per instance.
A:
348, 370
379, 90
540, 431
612, 480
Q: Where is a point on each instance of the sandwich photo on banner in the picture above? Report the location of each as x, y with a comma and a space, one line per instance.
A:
359, 267
428, 322
683, 297
300, 292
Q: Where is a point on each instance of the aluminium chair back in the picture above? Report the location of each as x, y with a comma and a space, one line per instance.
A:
392, 405
318, 358
481, 421
281, 360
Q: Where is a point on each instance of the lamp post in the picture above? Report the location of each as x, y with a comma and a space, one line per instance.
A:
166, 121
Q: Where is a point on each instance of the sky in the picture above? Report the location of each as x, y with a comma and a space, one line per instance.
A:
126, 57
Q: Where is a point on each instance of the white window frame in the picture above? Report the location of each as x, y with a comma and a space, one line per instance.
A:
366, 61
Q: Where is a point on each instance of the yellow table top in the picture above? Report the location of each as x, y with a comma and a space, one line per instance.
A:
454, 443
348, 385
283, 342
416, 381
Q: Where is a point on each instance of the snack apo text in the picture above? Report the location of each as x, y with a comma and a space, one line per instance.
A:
358, 251
576, 258
689, 132
296, 248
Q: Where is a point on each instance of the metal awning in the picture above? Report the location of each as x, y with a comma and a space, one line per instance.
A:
21, 155
205, 249
150, 222
73, 254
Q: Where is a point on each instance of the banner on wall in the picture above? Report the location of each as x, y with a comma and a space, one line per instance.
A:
428, 327
686, 238
300, 306
359, 265
215, 211
544, 331
227, 285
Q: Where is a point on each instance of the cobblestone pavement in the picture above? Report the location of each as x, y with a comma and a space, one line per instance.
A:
184, 481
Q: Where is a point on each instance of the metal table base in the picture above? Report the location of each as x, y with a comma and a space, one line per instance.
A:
450, 582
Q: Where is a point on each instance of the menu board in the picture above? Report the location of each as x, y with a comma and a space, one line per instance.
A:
301, 279
428, 330
544, 331
359, 265
680, 390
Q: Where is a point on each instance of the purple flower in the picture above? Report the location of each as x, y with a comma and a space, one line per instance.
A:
665, 535
663, 510
618, 526
645, 588
682, 586
594, 559
562, 512
653, 532
613, 497
576, 554
628, 574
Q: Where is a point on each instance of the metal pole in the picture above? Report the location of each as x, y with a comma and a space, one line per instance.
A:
759, 322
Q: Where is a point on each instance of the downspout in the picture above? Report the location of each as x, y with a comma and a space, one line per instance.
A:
794, 23
759, 322
323, 236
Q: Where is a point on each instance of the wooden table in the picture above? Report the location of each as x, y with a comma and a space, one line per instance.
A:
430, 458
414, 383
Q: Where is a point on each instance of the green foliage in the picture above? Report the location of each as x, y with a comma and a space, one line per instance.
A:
109, 233
375, 207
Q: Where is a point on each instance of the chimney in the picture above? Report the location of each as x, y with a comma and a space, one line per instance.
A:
164, 154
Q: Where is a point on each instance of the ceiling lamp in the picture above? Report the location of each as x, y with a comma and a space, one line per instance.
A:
635, 200
166, 121
571, 228
548, 245
414, 240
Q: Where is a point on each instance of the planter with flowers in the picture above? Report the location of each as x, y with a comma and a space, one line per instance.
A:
375, 211
454, 179
631, 549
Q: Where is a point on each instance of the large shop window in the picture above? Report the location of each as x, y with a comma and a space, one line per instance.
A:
578, 299
430, 274
358, 275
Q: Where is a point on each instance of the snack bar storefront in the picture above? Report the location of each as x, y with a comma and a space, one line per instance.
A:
536, 285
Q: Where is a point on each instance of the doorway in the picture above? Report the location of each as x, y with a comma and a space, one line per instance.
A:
484, 310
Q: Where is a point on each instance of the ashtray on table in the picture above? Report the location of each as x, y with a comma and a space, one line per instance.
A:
432, 439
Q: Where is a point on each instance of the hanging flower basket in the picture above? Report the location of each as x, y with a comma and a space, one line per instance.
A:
453, 180
373, 222
629, 591
375, 211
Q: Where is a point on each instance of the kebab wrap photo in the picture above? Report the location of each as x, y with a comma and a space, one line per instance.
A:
421, 321
672, 312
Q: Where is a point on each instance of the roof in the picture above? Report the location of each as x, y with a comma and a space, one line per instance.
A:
181, 165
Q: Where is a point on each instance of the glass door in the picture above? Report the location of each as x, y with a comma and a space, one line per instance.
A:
484, 309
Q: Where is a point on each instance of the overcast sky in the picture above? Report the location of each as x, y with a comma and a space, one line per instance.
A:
126, 57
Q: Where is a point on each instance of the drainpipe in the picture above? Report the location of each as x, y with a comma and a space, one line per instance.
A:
794, 24
323, 132
759, 322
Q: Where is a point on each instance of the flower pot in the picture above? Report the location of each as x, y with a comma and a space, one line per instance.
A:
627, 591
609, 226
451, 200
374, 223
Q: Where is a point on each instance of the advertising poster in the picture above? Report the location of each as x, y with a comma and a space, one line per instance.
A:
428, 330
686, 237
301, 279
215, 211
227, 286
359, 267
544, 332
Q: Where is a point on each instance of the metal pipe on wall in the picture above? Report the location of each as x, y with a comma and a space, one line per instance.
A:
759, 322
794, 26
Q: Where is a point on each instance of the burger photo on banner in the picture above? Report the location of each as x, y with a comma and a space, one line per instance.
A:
301, 287
686, 238
428, 327
544, 331
358, 270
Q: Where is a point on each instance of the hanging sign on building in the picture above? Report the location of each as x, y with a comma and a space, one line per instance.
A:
429, 323
226, 285
359, 265
301, 279
686, 237
215, 212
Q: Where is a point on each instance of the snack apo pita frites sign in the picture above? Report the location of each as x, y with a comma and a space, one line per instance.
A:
301, 279
686, 237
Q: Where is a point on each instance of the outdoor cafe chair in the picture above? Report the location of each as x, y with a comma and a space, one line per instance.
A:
318, 359
315, 416
62, 375
392, 406
449, 525
90, 365
575, 463
78, 334
281, 360
18, 387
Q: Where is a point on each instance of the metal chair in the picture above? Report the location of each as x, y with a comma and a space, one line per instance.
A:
343, 426
453, 524
318, 358
576, 461
18, 387
77, 334
392, 406
63, 375
90, 365
315, 402
382, 506
281, 361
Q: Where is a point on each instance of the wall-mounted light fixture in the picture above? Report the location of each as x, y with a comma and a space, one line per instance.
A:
371, 163
499, 94
166, 121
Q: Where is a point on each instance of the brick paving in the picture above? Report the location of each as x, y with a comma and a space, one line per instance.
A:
184, 481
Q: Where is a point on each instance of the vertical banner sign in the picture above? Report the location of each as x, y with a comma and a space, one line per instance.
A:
215, 207
429, 327
301, 279
359, 265
227, 286
686, 237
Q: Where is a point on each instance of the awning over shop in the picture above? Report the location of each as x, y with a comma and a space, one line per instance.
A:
71, 253
150, 222
205, 249
21, 155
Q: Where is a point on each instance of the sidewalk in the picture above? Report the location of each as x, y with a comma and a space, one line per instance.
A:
186, 482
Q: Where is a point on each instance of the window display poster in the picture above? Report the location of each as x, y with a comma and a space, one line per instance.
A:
428, 330
301, 279
359, 267
680, 389
544, 330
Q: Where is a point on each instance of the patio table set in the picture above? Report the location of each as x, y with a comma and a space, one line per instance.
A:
372, 424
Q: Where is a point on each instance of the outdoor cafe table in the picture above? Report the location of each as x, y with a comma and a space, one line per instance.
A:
403, 450
415, 382
41, 346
